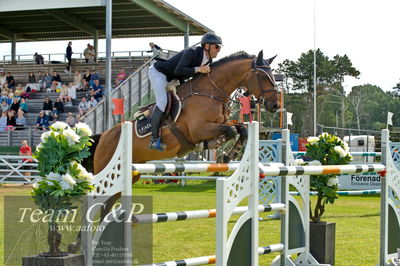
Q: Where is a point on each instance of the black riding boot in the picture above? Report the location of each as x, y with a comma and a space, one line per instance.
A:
155, 142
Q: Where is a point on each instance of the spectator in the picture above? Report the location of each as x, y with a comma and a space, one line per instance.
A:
11, 123
64, 95
48, 79
47, 107
3, 121
42, 122
20, 120
121, 76
92, 54
68, 54
31, 85
4, 96
78, 119
72, 91
55, 81
70, 120
86, 79
92, 102
5, 107
23, 105
3, 80
93, 76
14, 106
25, 150
41, 81
78, 80
58, 108
83, 107
87, 53
39, 59
18, 91
155, 49
10, 98
97, 90
10, 80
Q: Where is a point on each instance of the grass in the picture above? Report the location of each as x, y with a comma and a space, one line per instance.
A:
357, 224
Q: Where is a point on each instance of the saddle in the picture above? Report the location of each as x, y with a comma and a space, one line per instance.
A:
143, 116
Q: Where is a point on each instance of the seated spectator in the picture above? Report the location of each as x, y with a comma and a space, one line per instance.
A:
39, 59
97, 90
121, 76
55, 81
86, 80
78, 119
31, 85
20, 120
3, 80
4, 96
11, 123
23, 105
5, 107
48, 79
25, 150
78, 80
72, 91
18, 91
14, 106
64, 95
70, 120
10, 98
10, 81
93, 76
42, 122
41, 81
83, 107
92, 102
58, 107
3, 121
47, 107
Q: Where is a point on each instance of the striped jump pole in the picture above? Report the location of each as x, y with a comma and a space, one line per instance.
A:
354, 153
211, 259
198, 214
147, 168
345, 193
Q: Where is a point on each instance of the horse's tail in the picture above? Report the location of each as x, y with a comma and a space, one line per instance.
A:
88, 162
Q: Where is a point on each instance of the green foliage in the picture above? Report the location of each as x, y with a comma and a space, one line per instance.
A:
326, 149
64, 179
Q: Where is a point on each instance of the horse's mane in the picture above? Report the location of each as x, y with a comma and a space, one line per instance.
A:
232, 57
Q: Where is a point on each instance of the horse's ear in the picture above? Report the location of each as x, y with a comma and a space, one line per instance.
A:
260, 60
271, 59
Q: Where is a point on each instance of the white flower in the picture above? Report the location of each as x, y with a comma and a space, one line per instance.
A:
71, 136
54, 176
84, 129
332, 181
88, 176
299, 161
83, 173
346, 147
47, 134
342, 153
69, 179
315, 162
35, 185
38, 147
324, 135
65, 185
59, 125
312, 140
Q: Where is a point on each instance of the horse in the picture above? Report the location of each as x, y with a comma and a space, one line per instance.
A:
202, 121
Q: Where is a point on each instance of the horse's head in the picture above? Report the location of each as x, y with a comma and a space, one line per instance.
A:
261, 83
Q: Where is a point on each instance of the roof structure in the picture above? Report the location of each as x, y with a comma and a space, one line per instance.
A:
48, 20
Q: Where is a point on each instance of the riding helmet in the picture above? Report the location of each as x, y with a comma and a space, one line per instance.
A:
211, 38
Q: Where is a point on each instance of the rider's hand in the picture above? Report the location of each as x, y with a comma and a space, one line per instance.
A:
203, 69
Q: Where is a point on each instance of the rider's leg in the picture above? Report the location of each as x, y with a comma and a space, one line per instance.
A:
158, 82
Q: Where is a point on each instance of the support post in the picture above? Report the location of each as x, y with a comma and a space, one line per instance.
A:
108, 63
186, 37
14, 49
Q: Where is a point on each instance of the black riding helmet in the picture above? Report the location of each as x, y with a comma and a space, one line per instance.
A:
211, 38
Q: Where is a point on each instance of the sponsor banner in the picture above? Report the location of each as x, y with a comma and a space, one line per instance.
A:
359, 181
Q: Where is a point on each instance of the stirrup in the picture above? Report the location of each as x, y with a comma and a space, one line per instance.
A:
156, 144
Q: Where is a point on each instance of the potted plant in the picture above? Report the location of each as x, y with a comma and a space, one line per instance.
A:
64, 180
326, 149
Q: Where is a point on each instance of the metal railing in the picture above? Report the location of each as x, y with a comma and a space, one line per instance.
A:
14, 169
132, 90
79, 57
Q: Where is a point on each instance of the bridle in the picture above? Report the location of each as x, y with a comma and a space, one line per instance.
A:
258, 70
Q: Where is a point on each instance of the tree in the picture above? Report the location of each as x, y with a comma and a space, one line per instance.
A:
330, 76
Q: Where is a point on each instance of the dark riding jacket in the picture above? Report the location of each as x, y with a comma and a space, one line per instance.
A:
182, 65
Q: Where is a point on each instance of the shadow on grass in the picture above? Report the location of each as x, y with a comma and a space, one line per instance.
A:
353, 216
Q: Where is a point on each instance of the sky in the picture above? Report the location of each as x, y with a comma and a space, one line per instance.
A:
365, 30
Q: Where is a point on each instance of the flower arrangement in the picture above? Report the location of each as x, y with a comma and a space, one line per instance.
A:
64, 179
325, 149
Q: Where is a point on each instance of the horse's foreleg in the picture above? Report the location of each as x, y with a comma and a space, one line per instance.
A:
217, 134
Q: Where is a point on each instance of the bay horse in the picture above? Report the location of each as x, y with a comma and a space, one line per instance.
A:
205, 110
202, 121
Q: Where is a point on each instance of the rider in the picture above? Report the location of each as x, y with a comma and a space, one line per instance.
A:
182, 66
